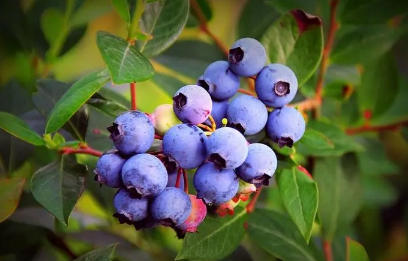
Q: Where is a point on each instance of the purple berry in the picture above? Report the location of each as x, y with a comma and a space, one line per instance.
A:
132, 132
259, 166
192, 104
108, 169
129, 209
215, 185
220, 82
276, 85
227, 148
247, 57
186, 144
171, 207
145, 175
219, 112
285, 126
247, 114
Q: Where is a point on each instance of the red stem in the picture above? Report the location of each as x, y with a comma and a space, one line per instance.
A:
83, 150
251, 205
133, 95
327, 249
246, 92
179, 173
368, 128
158, 137
185, 181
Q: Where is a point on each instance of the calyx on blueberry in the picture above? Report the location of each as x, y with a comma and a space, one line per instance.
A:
237, 126
207, 86
285, 141
218, 160
281, 88
180, 100
235, 55
114, 130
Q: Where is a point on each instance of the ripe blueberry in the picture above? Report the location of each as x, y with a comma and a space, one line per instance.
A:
285, 126
247, 114
247, 57
192, 104
259, 166
171, 207
108, 169
276, 85
132, 132
144, 175
220, 82
129, 209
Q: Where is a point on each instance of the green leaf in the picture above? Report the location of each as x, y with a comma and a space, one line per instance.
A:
296, 40
125, 63
167, 83
49, 92
404, 133
18, 128
10, 193
355, 251
100, 254
371, 94
371, 11
255, 19
342, 142
300, 197
74, 98
278, 235
97, 136
339, 80
209, 243
89, 11
316, 140
365, 43
165, 21
205, 8
58, 185
122, 7
378, 192
340, 195
105, 105
52, 23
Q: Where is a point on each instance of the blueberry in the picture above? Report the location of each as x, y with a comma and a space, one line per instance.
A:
171, 207
132, 132
145, 175
219, 112
215, 185
228, 148
197, 215
108, 169
276, 85
129, 209
192, 104
220, 82
186, 144
259, 166
247, 114
164, 118
247, 57
285, 126
173, 179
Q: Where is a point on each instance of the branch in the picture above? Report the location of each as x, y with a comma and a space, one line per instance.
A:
251, 206
82, 150
246, 92
204, 27
368, 128
306, 105
327, 249
133, 95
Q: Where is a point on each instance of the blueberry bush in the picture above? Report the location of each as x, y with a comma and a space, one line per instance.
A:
203, 130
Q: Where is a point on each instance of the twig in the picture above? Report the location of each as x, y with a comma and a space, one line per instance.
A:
307, 104
204, 27
185, 181
251, 205
133, 95
82, 150
246, 92
179, 173
368, 128
59, 243
327, 249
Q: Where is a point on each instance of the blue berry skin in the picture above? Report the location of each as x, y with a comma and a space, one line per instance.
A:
219, 112
228, 148
276, 85
129, 209
145, 174
173, 178
247, 114
186, 144
108, 169
171, 207
247, 57
132, 132
259, 166
220, 82
215, 185
285, 126
192, 104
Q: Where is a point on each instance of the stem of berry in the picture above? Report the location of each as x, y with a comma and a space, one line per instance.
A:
158, 137
246, 92
204, 27
179, 173
133, 95
327, 249
82, 150
251, 205
368, 128
205, 127
185, 181
213, 124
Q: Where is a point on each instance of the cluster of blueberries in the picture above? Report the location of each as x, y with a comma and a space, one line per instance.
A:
205, 132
